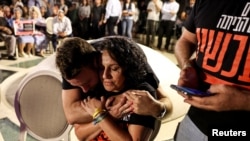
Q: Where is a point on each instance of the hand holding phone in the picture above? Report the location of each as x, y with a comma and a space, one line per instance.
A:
190, 91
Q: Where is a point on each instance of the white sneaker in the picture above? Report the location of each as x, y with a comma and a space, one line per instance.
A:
23, 55
30, 55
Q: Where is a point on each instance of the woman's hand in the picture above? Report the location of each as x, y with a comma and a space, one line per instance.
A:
91, 104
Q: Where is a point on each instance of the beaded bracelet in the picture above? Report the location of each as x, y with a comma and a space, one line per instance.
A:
97, 111
100, 117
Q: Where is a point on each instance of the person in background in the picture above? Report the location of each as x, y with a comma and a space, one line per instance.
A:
183, 17
41, 42
63, 7
119, 24
6, 2
18, 3
154, 10
168, 17
7, 35
73, 16
23, 40
187, 10
112, 15
47, 5
55, 10
61, 28
72, 95
84, 12
97, 17
44, 12
37, 3
220, 67
8, 14
128, 9
142, 6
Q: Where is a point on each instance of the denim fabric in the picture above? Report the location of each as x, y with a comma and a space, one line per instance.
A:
187, 131
127, 25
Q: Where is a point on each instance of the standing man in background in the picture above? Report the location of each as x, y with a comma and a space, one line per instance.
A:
221, 67
97, 16
112, 15
169, 14
61, 28
154, 9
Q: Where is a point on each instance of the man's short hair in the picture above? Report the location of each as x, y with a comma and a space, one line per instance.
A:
73, 54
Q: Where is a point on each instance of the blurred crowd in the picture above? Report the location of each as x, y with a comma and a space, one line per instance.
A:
89, 19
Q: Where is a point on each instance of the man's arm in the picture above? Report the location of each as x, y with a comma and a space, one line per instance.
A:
159, 108
158, 5
165, 104
68, 30
72, 107
185, 47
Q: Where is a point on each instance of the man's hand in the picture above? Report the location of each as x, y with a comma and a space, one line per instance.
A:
6, 30
188, 77
62, 34
104, 21
225, 98
141, 99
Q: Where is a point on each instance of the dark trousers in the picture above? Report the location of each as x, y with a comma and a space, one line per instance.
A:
111, 23
97, 30
55, 38
151, 28
84, 26
165, 27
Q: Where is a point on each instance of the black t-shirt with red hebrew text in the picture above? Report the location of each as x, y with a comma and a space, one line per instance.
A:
222, 28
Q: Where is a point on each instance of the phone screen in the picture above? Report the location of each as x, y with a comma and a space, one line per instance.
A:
190, 91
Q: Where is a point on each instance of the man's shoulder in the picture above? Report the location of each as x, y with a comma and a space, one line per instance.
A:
66, 19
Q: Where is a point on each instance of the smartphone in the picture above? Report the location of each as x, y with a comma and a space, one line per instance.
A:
190, 91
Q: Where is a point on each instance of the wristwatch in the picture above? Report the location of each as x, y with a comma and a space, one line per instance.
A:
163, 112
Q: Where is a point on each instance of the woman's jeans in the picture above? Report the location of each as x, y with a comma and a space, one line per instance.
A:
127, 25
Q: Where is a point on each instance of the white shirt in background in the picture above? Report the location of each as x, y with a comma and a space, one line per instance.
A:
113, 9
154, 14
168, 9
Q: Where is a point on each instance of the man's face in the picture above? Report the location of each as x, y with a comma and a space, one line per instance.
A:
7, 12
60, 15
87, 79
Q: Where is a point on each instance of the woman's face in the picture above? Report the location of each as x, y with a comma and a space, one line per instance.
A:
111, 73
34, 15
18, 14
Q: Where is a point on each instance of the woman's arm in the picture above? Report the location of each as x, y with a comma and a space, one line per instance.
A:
111, 127
88, 131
